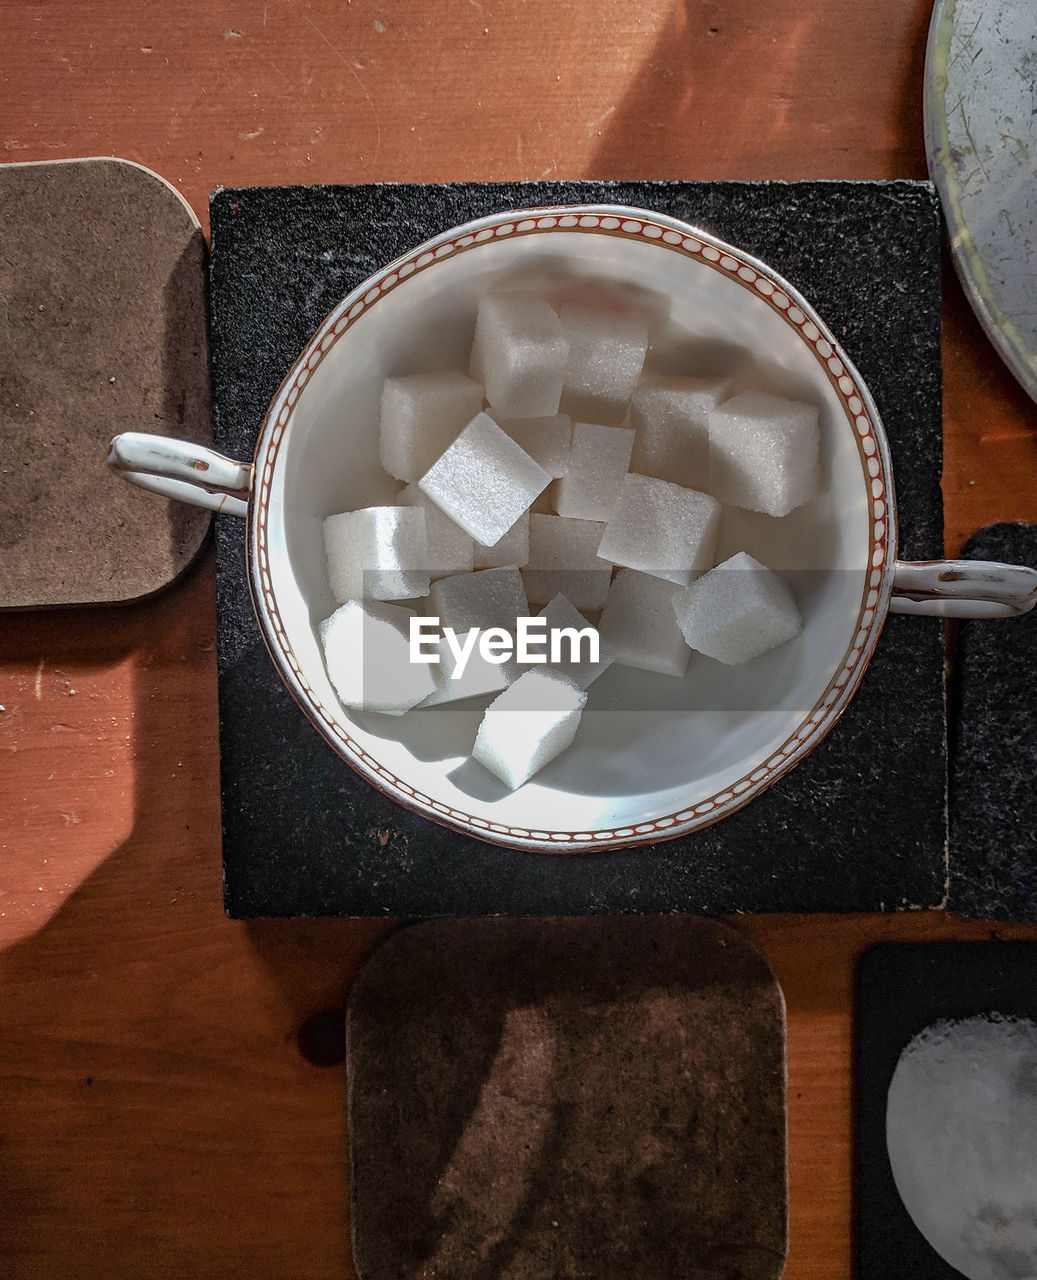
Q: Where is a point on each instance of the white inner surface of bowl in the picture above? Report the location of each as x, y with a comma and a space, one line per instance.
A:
649, 745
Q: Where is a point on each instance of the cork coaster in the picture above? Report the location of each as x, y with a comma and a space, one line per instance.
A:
567, 1098
103, 278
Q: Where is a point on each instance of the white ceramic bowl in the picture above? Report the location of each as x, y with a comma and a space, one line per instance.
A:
655, 756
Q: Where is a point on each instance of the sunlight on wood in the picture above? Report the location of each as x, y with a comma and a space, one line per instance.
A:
72, 727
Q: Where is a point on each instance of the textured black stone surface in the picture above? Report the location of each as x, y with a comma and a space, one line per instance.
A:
993, 762
901, 989
859, 825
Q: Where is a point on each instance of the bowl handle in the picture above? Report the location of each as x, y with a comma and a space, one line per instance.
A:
179, 469
963, 588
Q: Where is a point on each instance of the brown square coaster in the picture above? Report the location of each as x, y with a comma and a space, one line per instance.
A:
567, 1099
105, 330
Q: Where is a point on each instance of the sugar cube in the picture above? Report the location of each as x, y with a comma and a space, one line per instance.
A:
513, 548
737, 611
367, 654
450, 549
572, 634
671, 419
377, 552
528, 725
598, 462
638, 625
763, 452
606, 355
478, 678
546, 440
421, 414
519, 355
662, 529
474, 602
484, 481
486, 598
563, 558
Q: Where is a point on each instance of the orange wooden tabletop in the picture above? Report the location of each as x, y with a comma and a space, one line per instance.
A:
156, 1115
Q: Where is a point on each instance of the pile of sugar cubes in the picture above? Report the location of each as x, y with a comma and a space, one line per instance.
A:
556, 475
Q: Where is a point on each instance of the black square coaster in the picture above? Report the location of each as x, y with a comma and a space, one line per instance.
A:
902, 988
993, 767
860, 825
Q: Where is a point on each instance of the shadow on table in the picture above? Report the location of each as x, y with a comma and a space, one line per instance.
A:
745, 90
158, 1116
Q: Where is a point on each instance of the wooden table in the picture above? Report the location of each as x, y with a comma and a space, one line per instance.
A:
156, 1115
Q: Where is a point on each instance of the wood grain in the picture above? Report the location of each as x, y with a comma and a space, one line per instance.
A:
156, 1115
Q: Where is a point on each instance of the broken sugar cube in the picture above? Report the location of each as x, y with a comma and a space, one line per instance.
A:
421, 414
484, 481
598, 462
606, 355
763, 452
662, 529
546, 440
513, 548
473, 603
477, 678
563, 559
671, 419
528, 725
737, 611
519, 355
638, 626
367, 653
379, 553
450, 549
568, 634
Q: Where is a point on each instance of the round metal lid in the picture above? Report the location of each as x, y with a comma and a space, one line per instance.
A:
981, 141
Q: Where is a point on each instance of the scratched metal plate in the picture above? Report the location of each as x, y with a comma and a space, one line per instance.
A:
981, 139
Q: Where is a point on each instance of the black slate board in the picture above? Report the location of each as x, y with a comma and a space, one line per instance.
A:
851, 829
993, 765
901, 989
